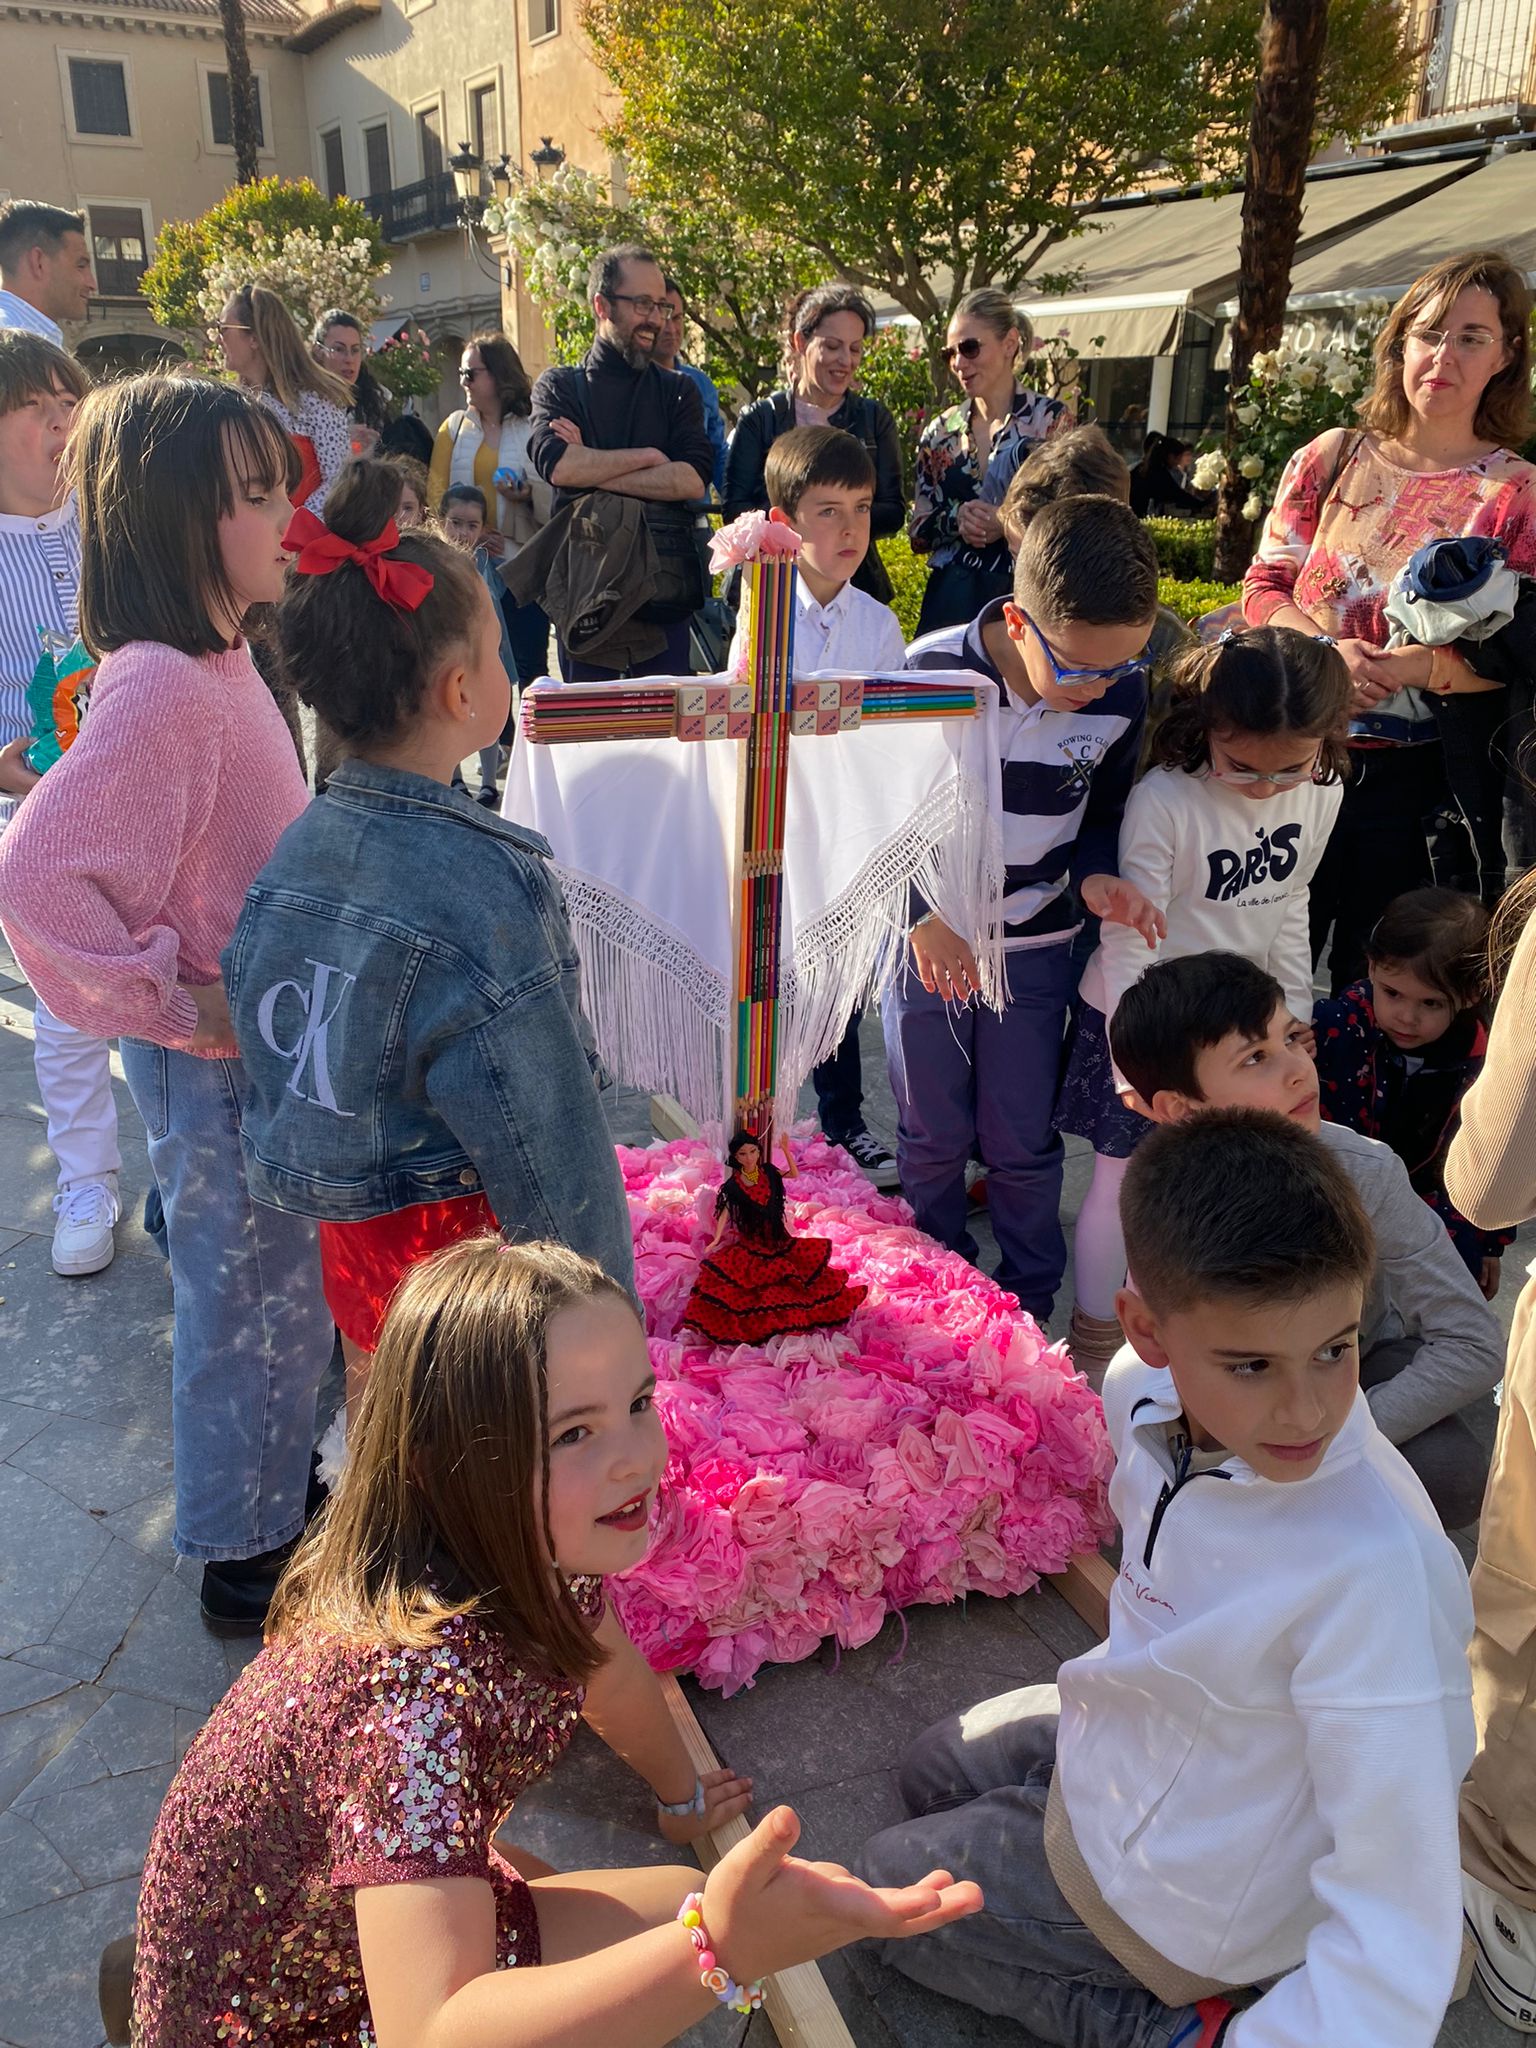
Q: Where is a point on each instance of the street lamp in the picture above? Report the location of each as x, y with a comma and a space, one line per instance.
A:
501, 177
466, 168
549, 156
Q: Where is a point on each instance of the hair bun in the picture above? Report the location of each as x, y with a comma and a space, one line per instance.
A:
363, 500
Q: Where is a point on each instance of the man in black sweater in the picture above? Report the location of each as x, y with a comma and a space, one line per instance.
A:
619, 423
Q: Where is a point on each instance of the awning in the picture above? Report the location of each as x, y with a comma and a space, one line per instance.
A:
1147, 269
1494, 208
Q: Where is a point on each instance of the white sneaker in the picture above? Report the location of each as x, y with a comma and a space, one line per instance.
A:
1505, 1939
82, 1238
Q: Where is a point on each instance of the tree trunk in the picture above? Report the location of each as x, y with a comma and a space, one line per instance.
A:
1291, 39
242, 92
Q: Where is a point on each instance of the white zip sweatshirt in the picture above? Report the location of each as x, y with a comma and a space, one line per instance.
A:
1261, 1762
1231, 875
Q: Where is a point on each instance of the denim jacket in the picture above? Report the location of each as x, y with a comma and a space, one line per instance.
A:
405, 994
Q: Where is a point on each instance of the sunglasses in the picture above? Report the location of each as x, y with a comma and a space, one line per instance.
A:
469, 376
227, 327
970, 348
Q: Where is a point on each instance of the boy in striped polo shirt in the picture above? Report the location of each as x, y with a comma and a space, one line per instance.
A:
39, 585
1066, 652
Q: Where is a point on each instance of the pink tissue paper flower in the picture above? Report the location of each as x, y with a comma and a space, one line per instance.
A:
753, 537
938, 1445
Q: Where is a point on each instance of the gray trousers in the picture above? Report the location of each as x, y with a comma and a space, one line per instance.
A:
975, 1786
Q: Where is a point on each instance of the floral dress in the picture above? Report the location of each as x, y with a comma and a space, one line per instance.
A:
328, 1765
768, 1281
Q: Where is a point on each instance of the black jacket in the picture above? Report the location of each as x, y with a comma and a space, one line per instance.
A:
617, 407
761, 424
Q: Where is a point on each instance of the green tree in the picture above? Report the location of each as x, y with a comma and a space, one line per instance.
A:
924, 147
313, 251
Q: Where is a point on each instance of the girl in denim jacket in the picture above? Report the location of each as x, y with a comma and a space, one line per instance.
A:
402, 974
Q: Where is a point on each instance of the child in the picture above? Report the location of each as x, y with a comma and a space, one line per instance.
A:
1214, 1029
461, 515
1082, 462
402, 976
1223, 835
1397, 1051
40, 386
324, 1863
412, 510
1066, 655
120, 881
821, 482
1252, 1782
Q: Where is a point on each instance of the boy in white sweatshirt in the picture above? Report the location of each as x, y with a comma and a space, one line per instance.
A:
1235, 1822
1214, 1030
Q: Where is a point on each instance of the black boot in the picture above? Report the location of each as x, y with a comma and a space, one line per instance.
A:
238, 1591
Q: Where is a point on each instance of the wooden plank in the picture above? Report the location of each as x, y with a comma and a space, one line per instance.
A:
1085, 1585
800, 2008
670, 1120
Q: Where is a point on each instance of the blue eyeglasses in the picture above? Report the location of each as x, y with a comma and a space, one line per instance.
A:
1077, 678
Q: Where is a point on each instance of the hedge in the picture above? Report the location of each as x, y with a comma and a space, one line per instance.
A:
1185, 547
1188, 596
1189, 600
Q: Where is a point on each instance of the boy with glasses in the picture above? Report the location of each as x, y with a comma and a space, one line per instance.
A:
1066, 654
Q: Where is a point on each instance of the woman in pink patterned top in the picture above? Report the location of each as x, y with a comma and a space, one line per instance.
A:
323, 1870
1430, 460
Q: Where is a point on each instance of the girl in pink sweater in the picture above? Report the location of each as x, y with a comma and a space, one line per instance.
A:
120, 883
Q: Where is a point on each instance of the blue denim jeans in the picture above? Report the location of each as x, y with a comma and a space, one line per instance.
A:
969, 1080
252, 1335
976, 1786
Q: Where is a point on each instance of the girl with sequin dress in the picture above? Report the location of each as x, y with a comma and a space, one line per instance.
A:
324, 1869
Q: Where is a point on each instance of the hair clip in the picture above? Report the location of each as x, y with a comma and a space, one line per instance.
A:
1226, 635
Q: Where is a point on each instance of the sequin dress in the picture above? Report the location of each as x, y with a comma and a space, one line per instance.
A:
330, 1765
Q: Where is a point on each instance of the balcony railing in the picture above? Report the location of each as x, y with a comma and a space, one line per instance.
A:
1477, 54
429, 207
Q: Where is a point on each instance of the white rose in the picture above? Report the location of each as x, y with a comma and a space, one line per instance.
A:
1343, 384
1251, 466
1308, 378
1291, 404
1209, 469
1253, 505
1246, 415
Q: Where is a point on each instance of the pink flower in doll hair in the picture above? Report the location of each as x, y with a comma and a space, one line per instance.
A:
754, 537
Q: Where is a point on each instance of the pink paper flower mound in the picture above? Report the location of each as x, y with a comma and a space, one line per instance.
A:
938, 1445
751, 537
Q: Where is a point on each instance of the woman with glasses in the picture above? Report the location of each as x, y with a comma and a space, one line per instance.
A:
339, 345
967, 456
264, 347
1430, 460
824, 335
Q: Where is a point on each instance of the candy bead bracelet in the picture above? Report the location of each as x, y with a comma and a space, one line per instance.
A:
739, 1997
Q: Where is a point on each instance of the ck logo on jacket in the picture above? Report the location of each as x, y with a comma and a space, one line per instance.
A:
309, 1049
1270, 861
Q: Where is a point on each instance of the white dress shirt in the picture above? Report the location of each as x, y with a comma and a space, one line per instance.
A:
22, 315
853, 632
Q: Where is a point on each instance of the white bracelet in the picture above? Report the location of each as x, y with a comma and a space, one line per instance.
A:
685, 1807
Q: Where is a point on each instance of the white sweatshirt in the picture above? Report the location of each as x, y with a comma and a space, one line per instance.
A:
1261, 1762
1229, 874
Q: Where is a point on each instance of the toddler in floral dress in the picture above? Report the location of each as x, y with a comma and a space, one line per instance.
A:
323, 1870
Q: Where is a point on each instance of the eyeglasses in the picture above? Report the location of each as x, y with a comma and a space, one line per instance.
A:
1469, 341
344, 351
1245, 778
1077, 678
970, 348
645, 306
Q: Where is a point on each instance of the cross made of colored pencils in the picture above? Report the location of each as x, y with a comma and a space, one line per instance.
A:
761, 712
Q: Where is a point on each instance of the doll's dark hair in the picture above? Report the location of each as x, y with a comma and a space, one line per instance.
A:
1269, 679
751, 1217
1441, 936
363, 665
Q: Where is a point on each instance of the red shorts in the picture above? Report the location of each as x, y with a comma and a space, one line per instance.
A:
361, 1264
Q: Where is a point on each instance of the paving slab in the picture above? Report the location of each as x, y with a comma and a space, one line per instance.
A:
48, 1986
98, 1348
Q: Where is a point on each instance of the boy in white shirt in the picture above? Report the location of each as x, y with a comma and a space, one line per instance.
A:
1236, 1823
1214, 1030
821, 482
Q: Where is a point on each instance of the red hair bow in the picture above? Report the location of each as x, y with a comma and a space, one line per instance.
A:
402, 585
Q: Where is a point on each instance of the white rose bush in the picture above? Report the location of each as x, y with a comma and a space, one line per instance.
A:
309, 271
1295, 392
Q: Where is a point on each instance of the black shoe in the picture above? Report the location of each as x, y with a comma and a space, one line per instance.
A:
114, 1988
489, 797
872, 1158
237, 1592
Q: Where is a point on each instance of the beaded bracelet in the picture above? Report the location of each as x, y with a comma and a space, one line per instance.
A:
739, 1997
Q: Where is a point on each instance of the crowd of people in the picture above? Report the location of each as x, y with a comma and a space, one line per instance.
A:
352, 1026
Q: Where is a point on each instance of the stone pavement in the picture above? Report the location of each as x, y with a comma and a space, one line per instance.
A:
106, 1671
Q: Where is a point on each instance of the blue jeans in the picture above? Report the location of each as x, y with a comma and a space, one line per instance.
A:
672, 660
968, 1080
976, 1786
253, 1334
839, 1083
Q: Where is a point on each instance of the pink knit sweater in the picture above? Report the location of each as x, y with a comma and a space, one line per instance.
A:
123, 872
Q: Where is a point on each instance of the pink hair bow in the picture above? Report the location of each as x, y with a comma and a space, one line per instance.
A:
402, 585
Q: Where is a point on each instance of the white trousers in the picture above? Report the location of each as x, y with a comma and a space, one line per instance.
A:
74, 1078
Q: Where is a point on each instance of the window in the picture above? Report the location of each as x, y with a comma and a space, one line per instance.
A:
98, 90
376, 151
429, 139
543, 19
335, 163
220, 114
119, 247
484, 122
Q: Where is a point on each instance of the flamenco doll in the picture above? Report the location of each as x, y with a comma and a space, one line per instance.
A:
766, 1282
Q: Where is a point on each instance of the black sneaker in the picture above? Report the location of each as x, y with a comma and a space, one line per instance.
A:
237, 1592
872, 1158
